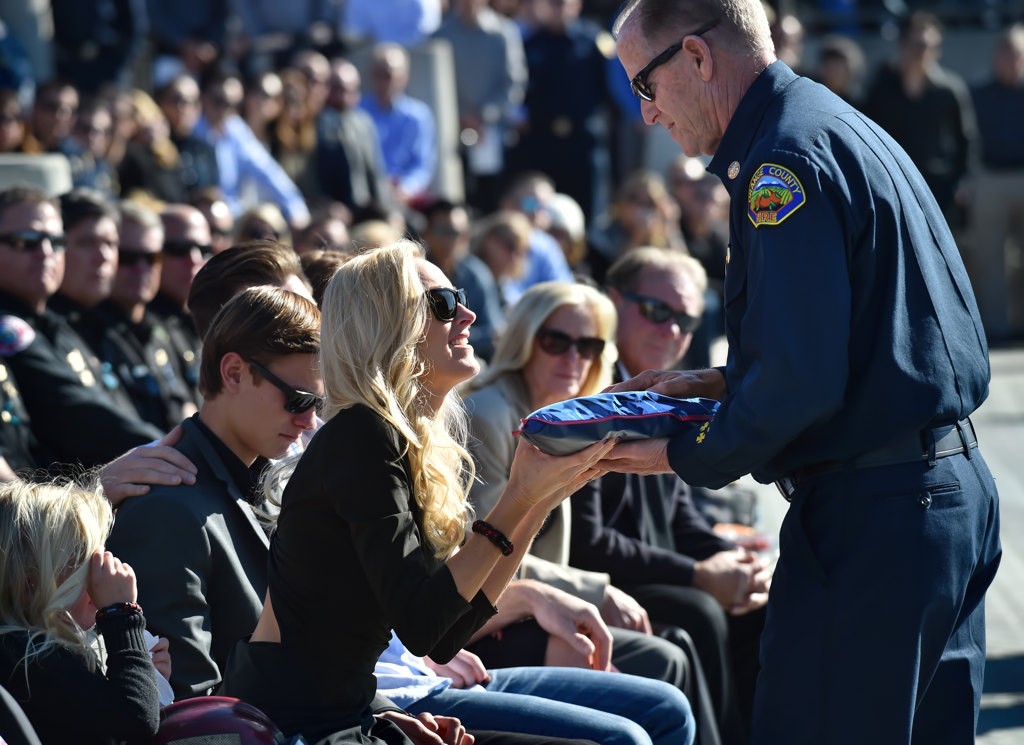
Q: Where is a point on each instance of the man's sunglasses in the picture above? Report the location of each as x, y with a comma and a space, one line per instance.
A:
444, 302
641, 88
558, 342
133, 258
32, 240
295, 401
182, 249
657, 311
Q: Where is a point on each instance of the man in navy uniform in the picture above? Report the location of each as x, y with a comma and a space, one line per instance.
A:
856, 354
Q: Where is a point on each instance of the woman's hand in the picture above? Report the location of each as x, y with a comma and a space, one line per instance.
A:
621, 610
162, 657
465, 669
110, 580
538, 479
426, 729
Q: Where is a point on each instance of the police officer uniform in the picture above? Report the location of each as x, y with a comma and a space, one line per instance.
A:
566, 99
73, 414
856, 354
184, 339
145, 360
17, 443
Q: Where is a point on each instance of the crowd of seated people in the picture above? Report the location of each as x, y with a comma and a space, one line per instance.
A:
165, 371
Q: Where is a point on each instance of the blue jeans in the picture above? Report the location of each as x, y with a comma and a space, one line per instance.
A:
609, 708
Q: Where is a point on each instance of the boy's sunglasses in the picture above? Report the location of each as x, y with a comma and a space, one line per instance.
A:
657, 311
444, 302
558, 342
295, 401
32, 240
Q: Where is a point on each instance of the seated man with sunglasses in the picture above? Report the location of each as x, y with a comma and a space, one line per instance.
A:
645, 531
200, 550
187, 246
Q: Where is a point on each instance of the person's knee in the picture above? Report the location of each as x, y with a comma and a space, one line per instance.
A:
673, 717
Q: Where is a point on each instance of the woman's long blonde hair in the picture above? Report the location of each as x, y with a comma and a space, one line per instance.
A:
374, 316
48, 534
515, 345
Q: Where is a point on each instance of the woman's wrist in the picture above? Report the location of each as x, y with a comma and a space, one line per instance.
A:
118, 610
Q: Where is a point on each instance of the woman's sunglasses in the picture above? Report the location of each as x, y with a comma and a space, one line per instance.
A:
656, 311
295, 401
557, 343
444, 302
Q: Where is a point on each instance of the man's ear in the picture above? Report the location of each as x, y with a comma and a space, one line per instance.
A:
617, 300
699, 53
232, 371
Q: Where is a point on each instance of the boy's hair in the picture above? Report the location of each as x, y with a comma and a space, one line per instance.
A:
260, 324
231, 271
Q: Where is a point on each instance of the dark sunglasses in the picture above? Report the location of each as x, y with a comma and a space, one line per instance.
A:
641, 88
32, 240
182, 249
444, 302
132, 258
558, 342
657, 311
295, 401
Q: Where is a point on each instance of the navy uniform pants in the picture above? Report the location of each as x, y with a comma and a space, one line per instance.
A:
875, 630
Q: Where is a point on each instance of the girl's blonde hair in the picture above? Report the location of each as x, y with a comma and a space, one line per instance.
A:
515, 345
48, 534
374, 317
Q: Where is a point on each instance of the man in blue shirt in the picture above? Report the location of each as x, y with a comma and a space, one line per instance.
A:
405, 124
856, 354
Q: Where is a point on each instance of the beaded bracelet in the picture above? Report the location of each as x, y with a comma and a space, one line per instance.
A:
117, 610
495, 536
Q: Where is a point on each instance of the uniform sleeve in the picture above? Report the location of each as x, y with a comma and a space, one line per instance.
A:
424, 608
788, 311
170, 552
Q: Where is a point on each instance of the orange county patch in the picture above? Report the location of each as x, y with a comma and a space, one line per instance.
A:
774, 194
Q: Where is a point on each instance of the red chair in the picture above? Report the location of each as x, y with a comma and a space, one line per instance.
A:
217, 720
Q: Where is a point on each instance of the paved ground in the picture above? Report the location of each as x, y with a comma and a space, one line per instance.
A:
1000, 425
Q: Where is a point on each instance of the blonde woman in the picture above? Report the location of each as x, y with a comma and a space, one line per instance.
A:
372, 515
56, 581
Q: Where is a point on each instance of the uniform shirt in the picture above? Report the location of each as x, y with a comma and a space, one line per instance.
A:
1000, 110
850, 320
73, 415
17, 443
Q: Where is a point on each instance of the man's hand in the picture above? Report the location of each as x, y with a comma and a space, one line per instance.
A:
576, 622
708, 383
732, 577
465, 669
131, 474
644, 457
426, 729
622, 611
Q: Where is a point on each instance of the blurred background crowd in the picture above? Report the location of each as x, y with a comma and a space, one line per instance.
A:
504, 131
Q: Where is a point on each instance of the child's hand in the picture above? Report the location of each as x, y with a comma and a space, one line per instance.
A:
110, 580
162, 658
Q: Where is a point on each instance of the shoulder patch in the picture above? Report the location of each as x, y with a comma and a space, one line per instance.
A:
774, 194
15, 335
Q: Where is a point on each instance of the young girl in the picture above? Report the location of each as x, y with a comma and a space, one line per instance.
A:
56, 581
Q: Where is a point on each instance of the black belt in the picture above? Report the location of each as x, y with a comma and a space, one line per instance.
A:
930, 445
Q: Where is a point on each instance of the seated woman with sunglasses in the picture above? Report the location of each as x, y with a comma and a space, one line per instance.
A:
372, 532
199, 550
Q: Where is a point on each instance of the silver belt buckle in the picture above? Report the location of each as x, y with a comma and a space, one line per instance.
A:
786, 488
